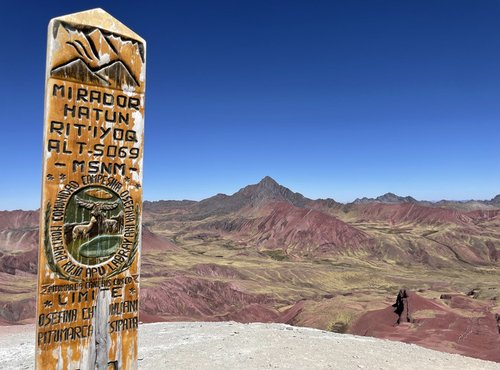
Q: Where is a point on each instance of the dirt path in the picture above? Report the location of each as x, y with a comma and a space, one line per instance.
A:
230, 345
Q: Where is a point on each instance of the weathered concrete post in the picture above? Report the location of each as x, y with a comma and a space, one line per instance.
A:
90, 217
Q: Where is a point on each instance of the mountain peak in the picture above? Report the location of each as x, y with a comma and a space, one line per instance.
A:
268, 180
254, 195
393, 198
495, 200
268, 190
388, 194
268, 183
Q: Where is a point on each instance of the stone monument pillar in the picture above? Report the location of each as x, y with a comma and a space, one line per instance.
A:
90, 216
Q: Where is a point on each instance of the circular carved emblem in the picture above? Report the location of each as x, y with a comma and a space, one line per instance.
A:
90, 232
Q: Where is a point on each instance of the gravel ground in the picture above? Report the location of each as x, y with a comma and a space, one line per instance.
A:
231, 345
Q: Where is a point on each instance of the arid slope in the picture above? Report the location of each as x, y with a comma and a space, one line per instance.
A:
268, 254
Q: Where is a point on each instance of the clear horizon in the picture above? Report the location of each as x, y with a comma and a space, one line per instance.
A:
338, 100
293, 190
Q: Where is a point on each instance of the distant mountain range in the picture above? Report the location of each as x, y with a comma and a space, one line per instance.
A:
268, 215
268, 189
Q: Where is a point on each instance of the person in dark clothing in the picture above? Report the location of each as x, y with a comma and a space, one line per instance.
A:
399, 306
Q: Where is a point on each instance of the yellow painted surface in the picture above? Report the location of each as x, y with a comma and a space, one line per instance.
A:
90, 224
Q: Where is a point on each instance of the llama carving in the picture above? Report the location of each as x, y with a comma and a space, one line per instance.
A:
98, 211
111, 226
82, 231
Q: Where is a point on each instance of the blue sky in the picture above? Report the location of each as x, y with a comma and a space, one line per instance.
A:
338, 99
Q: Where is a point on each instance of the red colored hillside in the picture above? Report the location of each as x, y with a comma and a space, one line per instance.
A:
456, 324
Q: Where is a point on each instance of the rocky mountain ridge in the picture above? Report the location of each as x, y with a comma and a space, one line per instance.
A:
269, 189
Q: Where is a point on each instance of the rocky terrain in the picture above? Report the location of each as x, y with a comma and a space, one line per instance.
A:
268, 254
232, 345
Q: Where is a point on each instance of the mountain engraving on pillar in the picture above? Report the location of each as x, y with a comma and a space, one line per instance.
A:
96, 57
